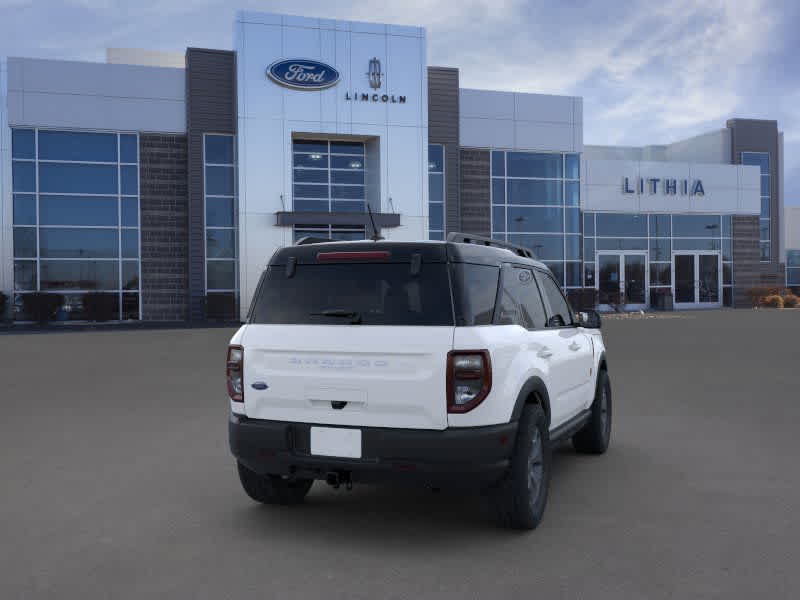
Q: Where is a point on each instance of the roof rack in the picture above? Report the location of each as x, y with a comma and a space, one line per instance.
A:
468, 238
310, 239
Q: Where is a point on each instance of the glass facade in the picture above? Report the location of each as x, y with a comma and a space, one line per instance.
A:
221, 222
793, 268
76, 219
328, 176
761, 160
536, 204
436, 192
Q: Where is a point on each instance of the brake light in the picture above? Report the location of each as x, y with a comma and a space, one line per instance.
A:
469, 379
368, 255
234, 373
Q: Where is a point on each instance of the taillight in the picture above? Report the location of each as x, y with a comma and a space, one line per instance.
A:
234, 373
469, 379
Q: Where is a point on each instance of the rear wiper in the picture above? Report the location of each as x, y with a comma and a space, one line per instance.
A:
355, 317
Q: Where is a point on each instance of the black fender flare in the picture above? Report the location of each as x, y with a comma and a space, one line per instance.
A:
602, 365
533, 385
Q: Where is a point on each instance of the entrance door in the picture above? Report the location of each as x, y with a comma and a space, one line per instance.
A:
622, 280
697, 279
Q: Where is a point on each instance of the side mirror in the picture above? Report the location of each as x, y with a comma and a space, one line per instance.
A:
555, 321
590, 319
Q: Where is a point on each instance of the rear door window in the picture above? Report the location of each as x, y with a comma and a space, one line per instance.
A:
520, 302
559, 308
354, 294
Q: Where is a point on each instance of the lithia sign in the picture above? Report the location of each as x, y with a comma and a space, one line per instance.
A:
667, 186
306, 74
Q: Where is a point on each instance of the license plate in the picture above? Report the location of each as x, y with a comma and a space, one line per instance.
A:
332, 441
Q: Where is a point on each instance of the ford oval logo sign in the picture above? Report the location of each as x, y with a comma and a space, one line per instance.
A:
303, 74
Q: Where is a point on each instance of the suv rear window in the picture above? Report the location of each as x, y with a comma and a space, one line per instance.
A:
354, 293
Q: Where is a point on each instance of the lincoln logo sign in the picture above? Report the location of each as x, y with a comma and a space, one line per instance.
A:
670, 187
302, 74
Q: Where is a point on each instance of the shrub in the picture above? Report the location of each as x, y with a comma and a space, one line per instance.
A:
790, 300
98, 306
3, 306
773, 301
41, 306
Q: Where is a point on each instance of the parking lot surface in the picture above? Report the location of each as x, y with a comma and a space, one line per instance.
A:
117, 482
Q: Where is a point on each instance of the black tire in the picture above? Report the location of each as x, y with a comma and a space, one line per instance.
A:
596, 434
273, 489
520, 499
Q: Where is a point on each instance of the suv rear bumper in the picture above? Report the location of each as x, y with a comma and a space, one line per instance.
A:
469, 455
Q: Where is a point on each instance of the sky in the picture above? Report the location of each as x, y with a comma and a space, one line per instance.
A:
649, 72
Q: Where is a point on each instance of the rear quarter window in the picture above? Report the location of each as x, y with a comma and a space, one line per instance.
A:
475, 293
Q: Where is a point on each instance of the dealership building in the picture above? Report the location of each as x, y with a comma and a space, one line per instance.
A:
168, 180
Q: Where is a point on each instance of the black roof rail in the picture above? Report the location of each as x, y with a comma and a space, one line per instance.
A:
310, 239
468, 238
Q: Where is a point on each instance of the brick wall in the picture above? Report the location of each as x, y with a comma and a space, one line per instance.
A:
443, 128
165, 227
476, 217
746, 266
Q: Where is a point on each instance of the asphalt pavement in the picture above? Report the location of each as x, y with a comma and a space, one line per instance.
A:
117, 482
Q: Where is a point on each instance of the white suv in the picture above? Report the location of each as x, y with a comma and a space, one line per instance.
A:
456, 362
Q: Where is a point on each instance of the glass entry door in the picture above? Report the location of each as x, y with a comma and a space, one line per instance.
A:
622, 280
697, 279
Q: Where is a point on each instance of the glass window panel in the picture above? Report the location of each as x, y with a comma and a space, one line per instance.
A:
660, 249
660, 274
727, 297
342, 162
221, 274
358, 177
532, 164
219, 149
77, 210
337, 234
763, 229
25, 242
588, 249
793, 277
540, 220
77, 145
621, 243
311, 205
219, 212
498, 191
498, 218
130, 307
24, 209
765, 185
573, 166
498, 163
695, 244
529, 191
129, 183
310, 191
25, 275
660, 226
624, 225
696, 225
23, 143
130, 212
765, 251
765, 207
220, 243
436, 187
573, 274
572, 246
79, 275
57, 242
130, 274
572, 189
545, 247
572, 220
435, 158
436, 216
557, 268
347, 192
727, 273
588, 274
588, 224
793, 258
128, 148
347, 148
727, 249
436, 235
311, 175
77, 179
130, 243
315, 160
310, 146
219, 181
759, 159
23, 176
727, 226
348, 206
